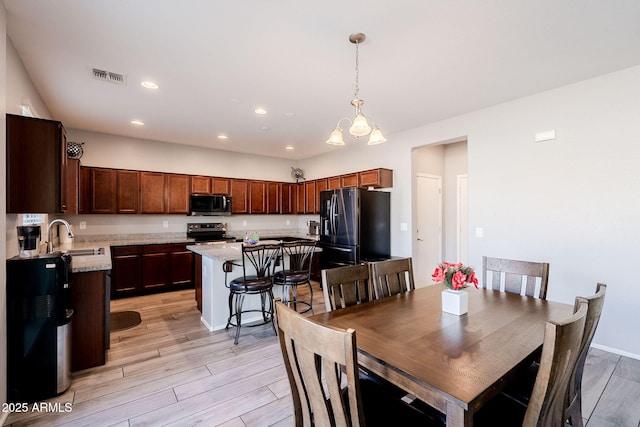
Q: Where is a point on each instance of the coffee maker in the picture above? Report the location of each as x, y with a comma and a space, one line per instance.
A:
28, 241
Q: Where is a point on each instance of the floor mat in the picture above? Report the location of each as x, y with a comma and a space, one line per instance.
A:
121, 320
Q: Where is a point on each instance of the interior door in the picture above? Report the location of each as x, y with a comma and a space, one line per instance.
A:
428, 247
463, 219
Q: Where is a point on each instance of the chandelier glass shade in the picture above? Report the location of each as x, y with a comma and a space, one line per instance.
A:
360, 125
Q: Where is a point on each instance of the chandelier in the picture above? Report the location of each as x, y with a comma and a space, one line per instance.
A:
360, 124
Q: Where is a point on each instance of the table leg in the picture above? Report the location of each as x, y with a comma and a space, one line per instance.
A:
458, 417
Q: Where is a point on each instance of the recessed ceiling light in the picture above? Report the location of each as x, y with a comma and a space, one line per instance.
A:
223, 136
260, 111
149, 85
289, 147
289, 115
137, 122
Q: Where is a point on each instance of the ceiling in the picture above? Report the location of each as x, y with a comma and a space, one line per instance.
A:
216, 61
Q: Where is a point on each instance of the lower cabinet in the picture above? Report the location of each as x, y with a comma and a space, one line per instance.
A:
140, 269
89, 326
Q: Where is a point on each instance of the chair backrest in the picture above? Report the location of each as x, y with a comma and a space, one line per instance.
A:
261, 257
560, 351
393, 276
300, 253
515, 272
312, 352
346, 286
595, 304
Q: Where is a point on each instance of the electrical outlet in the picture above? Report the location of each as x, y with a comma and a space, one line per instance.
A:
165, 224
288, 222
83, 225
244, 223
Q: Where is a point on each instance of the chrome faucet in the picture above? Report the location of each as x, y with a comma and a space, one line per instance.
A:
49, 240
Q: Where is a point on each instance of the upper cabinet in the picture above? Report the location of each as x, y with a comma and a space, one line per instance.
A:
103, 190
36, 165
201, 184
177, 193
152, 197
376, 178
239, 196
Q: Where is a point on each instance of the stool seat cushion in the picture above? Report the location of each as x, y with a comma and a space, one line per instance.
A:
291, 277
251, 284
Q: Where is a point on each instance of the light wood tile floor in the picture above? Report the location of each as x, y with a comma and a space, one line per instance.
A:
171, 370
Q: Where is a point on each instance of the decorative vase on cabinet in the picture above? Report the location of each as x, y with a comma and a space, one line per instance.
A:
455, 302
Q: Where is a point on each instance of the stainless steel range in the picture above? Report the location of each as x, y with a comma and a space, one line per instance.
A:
208, 232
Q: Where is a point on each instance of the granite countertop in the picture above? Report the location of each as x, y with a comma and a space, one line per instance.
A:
85, 263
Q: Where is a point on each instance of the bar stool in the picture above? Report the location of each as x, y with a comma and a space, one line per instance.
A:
300, 254
262, 259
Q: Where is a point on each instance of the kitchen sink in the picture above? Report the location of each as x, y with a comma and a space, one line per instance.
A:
85, 251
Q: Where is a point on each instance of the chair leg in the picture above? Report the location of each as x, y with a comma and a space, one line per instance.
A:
294, 297
311, 299
575, 417
239, 301
263, 297
230, 310
271, 312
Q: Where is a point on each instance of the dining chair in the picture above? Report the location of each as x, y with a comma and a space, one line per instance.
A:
391, 277
573, 412
520, 391
515, 273
261, 259
322, 368
297, 272
560, 352
346, 286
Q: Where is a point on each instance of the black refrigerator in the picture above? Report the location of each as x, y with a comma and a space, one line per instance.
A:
355, 226
38, 327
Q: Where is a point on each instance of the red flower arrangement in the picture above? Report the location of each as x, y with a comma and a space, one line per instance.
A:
454, 276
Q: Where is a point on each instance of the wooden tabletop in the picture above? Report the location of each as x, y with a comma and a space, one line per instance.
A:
454, 363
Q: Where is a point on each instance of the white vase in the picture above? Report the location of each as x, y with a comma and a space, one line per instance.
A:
455, 302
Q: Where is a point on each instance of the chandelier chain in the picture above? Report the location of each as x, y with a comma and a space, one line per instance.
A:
356, 89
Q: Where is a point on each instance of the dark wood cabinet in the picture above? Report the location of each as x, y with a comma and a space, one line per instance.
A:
300, 198
221, 186
103, 190
376, 178
257, 197
333, 183
349, 180
287, 196
84, 190
89, 326
125, 270
155, 267
239, 196
36, 165
152, 188
310, 197
201, 184
127, 192
274, 189
180, 265
140, 269
73, 186
178, 191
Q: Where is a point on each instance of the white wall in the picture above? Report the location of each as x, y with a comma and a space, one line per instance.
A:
572, 202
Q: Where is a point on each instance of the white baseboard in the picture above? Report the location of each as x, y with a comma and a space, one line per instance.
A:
616, 351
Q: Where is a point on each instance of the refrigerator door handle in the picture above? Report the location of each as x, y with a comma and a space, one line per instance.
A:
333, 213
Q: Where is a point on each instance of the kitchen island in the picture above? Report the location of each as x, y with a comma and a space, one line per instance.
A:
215, 295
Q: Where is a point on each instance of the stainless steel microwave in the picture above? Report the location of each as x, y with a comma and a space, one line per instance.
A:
209, 204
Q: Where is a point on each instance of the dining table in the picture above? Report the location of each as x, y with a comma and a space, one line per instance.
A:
454, 363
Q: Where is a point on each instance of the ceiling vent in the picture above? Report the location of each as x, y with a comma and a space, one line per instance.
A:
108, 76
